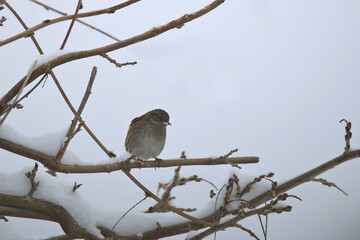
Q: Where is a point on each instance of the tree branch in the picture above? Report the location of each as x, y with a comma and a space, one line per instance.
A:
82, 22
48, 161
79, 5
40, 209
30, 31
70, 134
108, 48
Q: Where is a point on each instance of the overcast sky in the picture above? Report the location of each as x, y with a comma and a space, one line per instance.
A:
271, 78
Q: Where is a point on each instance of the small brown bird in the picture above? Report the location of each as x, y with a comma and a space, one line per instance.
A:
147, 134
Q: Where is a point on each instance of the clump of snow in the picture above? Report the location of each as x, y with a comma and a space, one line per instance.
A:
49, 143
53, 190
42, 59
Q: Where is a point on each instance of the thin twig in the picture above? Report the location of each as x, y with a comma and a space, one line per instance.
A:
32, 89
47, 7
119, 65
76, 186
252, 234
215, 206
262, 226
57, 83
79, 5
266, 225
168, 187
165, 204
20, 91
34, 185
347, 135
2, 20
146, 196
48, 22
227, 155
329, 184
70, 134
25, 27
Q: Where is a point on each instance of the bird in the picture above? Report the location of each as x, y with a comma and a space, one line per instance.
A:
147, 134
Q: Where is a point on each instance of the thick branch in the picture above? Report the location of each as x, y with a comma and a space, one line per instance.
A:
25, 213
40, 209
97, 51
48, 161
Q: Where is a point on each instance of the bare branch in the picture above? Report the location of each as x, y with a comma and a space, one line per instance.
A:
168, 187
57, 83
256, 180
78, 7
93, 52
347, 136
31, 36
119, 65
252, 234
25, 95
165, 204
34, 185
71, 133
329, 184
146, 196
227, 155
76, 186
47, 69
47, 7
19, 93
48, 22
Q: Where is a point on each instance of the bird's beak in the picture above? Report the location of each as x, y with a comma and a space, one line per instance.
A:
167, 123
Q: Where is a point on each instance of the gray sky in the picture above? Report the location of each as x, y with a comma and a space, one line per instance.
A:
272, 78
